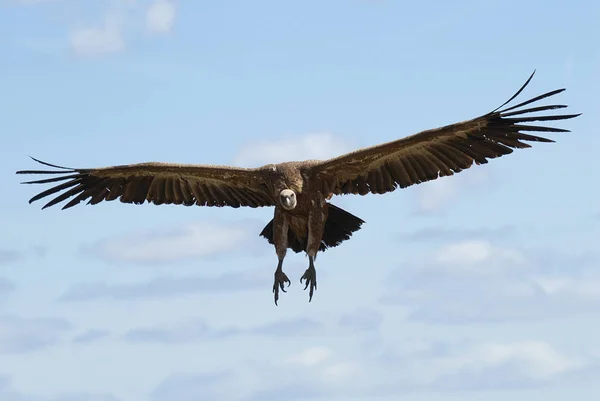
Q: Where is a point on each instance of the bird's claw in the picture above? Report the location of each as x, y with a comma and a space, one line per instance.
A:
280, 279
310, 275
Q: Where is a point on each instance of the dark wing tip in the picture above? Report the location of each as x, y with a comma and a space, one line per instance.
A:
45, 172
518, 92
62, 170
50, 165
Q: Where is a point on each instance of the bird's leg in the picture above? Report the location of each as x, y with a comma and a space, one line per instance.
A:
316, 228
280, 279
310, 275
280, 238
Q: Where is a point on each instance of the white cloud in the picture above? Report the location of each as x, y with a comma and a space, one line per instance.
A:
340, 371
471, 254
478, 281
533, 359
160, 16
113, 28
465, 252
195, 240
587, 287
99, 40
317, 146
464, 366
311, 356
433, 195
321, 362
478, 365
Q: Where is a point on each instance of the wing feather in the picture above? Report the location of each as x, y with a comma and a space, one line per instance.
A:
157, 183
438, 152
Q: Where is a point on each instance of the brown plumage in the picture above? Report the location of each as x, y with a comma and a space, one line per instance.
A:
304, 221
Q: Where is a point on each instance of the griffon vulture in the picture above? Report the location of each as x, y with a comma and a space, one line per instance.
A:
303, 219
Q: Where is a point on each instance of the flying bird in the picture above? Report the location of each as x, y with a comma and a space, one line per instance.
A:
304, 220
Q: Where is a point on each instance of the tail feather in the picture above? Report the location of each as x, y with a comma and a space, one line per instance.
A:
339, 227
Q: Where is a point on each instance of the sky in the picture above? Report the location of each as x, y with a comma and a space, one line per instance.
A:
483, 285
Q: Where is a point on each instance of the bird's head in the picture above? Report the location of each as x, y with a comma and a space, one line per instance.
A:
287, 198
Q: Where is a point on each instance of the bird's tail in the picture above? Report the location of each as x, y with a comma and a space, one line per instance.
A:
339, 227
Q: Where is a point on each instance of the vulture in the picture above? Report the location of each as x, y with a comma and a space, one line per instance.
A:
304, 220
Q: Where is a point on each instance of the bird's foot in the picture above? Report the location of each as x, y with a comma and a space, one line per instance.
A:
310, 275
280, 279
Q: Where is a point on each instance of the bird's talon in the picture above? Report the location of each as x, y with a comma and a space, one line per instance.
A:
280, 279
310, 275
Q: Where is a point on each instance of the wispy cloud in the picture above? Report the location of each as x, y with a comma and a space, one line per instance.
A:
362, 319
91, 336
20, 334
192, 387
163, 287
289, 328
319, 146
101, 39
6, 286
476, 281
199, 330
478, 256
333, 372
9, 393
468, 366
9, 256
433, 195
457, 234
112, 28
160, 16
174, 244
195, 330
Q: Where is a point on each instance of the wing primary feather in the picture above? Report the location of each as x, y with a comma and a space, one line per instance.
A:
79, 188
40, 172
55, 189
541, 118
89, 192
532, 138
55, 179
516, 94
538, 128
535, 99
533, 110
52, 165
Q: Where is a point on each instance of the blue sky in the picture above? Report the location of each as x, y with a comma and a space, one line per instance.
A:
484, 285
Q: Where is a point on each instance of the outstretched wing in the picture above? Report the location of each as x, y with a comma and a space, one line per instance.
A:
436, 153
159, 183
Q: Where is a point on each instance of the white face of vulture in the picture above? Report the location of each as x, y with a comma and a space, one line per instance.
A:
287, 198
